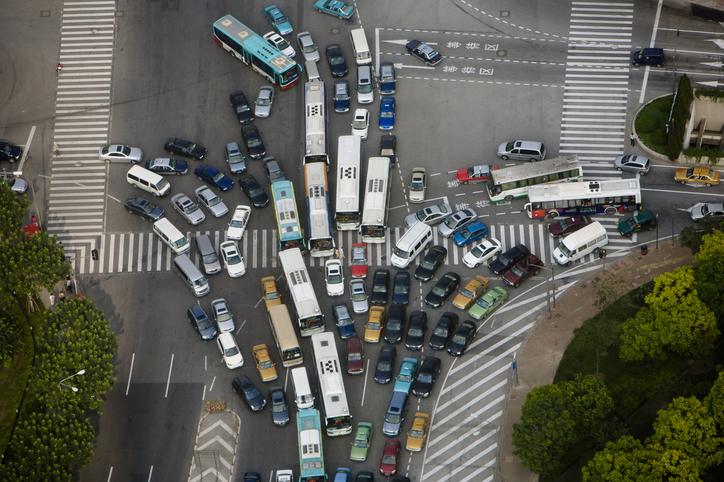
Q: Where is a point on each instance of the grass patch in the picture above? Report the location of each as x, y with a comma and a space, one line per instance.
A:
655, 113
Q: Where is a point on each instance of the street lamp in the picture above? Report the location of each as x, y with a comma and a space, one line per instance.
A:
61, 384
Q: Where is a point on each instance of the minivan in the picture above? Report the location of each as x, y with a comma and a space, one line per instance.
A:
522, 151
365, 91
312, 71
302, 393
395, 414
584, 241
653, 57
411, 244
360, 48
171, 236
190, 274
641, 221
149, 181
209, 258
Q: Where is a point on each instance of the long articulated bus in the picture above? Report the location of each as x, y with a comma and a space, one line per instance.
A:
309, 316
331, 387
377, 195
285, 208
347, 216
589, 197
315, 124
321, 241
309, 438
514, 181
285, 336
242, 43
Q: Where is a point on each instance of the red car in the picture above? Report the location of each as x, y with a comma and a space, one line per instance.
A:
564, 226
474, 174
358, 260
390, 458
355, 359
523, 270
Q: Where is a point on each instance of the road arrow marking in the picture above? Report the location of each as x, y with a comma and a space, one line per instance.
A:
716, 65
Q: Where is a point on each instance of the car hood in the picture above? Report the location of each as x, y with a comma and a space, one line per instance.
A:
199, 152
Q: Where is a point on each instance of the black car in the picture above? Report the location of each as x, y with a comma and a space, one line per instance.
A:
442, 289
423, 52
430, 263
462, 338
507, 260
252, 477
365, 476
336, 61
401, 478
201, 322
185, 148
385, 364
252, 140
241, 106
279, 409
253, 191
395, 323
341, 96
10, 152
401, 288
249, 393
426, 376
443, 331
380, 287
273, 170
416, 330
388, 147
144, 208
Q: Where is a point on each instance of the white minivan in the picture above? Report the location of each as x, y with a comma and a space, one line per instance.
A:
147, 180
171, 236
360, 48
584, 241
302, 392
411, 244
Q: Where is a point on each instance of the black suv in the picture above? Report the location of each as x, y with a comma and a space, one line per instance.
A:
380, 287
653, 57
507, 260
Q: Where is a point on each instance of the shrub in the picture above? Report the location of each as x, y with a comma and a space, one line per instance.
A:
665, 107
659, 137
646, 124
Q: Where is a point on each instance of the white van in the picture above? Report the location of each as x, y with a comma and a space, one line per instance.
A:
190, 274
312, 71
411, 244
587, 240
148, 181
302, 392
170, 235
359, 46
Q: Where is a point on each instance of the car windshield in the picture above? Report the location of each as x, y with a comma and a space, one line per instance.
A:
272, 295
415, 185
235, 223
439, 290
282, 44
373, 325
263, 101
400, 253
279, 408
358, 258
251, 392
388, 460
415, 331
218, 177
253, 141
477, 252
359, 123
341, 95
308, 47
466, 293
210, 258
427, 264
452, 221
359, 296
280, 20
205, 324
517, 271
231, 351
483, 303
392, 418
243, 107
510, 146
465, 233
191, 208
234, 259
365, 88
334, 279
387, 114
214, 201
266, 364
384, 366
222, 317
360, 443
416, 433
181, 242
401, 289
345, 322
425, 377
440, 331
149, 207
355, 356
458, 340
379, 288
336, 59
393, 325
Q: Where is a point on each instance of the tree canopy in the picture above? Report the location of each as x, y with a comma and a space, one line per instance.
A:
12, 210
709, 273
625, 460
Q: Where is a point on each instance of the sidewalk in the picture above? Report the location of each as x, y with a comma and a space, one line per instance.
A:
539, 358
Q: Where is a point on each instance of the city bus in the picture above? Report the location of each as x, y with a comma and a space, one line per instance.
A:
377, 195
337, 419
315, 124
285, 209
284, 335
309, 438
514, 181
321, 241
241, 42
589, 197
309, 316
347, 215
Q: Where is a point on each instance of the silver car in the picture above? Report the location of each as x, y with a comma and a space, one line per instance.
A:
222, 316
631, 163
209, 258
700, 211
358, 296
120, 153
264, 101
188, 209
234, 157
17, 185
211, 201
430, 215
456, 222
307, 46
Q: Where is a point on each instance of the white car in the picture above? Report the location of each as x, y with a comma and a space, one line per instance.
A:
238, 223
264, 101
307, 46
334, 277
120, 153
211, 201
230, 351
233, 261
188, 209
482, 252
282, 45
361, 123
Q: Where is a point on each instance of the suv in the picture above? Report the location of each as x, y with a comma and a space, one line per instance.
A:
653, 57
641, 221
365, 91
395, 414
522, 151
507, 260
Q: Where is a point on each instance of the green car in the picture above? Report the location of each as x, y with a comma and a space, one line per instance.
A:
488, 302
362, 440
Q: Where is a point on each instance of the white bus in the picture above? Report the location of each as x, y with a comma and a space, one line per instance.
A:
377, 195
347, 215
284, 335
321, 241
329, 372
315, 124
589, 197
309, 316
514, 181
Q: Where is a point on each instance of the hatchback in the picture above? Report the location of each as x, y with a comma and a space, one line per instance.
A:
264, 101
471, 233
632, 163
361, 123
390, 458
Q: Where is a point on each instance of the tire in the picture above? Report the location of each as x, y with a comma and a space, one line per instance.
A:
708, 184
642, 173
619, 169
636, 64
683, 182
536, 272
651, 228
533, 160
505, 158
509, 198
552, 214
659, 65
610, 211
341, 17
464, 182
596, 250
516, 285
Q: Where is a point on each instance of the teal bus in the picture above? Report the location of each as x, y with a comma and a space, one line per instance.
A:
242, 43
285, 207
309, 436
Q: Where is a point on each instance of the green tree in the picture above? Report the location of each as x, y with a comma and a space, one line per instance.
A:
12, 211
588, 401
625, 460
692, 237
597, 334
709, 273
674, 465
715, 401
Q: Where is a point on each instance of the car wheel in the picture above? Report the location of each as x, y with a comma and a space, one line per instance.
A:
505, 158
464, 182
651, 228
636, 64
619, 169
516, 285
318, 10
628, 235
683, 182
533, 160
129, 211
536, 272
341, 17
659, 65
708, 184
610, 211
643, 173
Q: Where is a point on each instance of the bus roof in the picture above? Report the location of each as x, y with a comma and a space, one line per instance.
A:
533, 169
578, 190
244, 35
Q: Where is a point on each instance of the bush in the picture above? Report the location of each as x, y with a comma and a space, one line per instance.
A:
665, 107
646, 124
659, 137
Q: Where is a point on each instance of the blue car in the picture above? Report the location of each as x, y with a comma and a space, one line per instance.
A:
214, 177
473, 232
387, 113
385, 364
406, 375
344, 321
334, 7
278, 20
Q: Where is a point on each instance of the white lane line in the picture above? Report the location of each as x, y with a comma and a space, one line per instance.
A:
168, 381
364, 387
130, 372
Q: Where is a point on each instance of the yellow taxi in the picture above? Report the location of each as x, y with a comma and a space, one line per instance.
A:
697, 176
264, 363
269, 292
418, 432
467, 296
373, 328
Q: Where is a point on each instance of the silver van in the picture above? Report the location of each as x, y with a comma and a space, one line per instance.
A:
522, 151
190, 274
365, 89
209, 258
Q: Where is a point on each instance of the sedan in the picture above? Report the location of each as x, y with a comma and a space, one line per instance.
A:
253, 191
249, 393
238, 223
333, 277
388, 78
307, 46
358, 260
211, 201
633, 163
482, 252
488, 302
334, 7
700, 211
355, 358
565, 226
144, 208
456, 222
185, 148
188, 209
697, 176
395, 323
343, 320
10, 152
430, 215
390, 458
385, 365
234, 158
361, 123
523, 270
273, 170
358, 296
264, 101
233, 261
264, 364
269, 292
167, 166
442, 290
374, 325
380, 287
505, 261
443, 331
278, 42
341, 96
17, 185
418, 184
404, 378
418, 432
120, 153
470, 233
387, 113
426, 376
275, 17
401, 288
430, 263
242, 108
462, 338
423, 52
473, 174
343, 474
200, 321
279, 408
361, 442
230, 351
252, 140
416, 330
470, 293
214, 177
388, 148
336, 61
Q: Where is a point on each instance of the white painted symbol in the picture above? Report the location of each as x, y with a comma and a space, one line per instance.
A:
713, 83
452, 184
716, 65
453, 45
462, 206
468, 70
486, 71
449, 68
473, 46
482, 204
491, 46
717, 41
